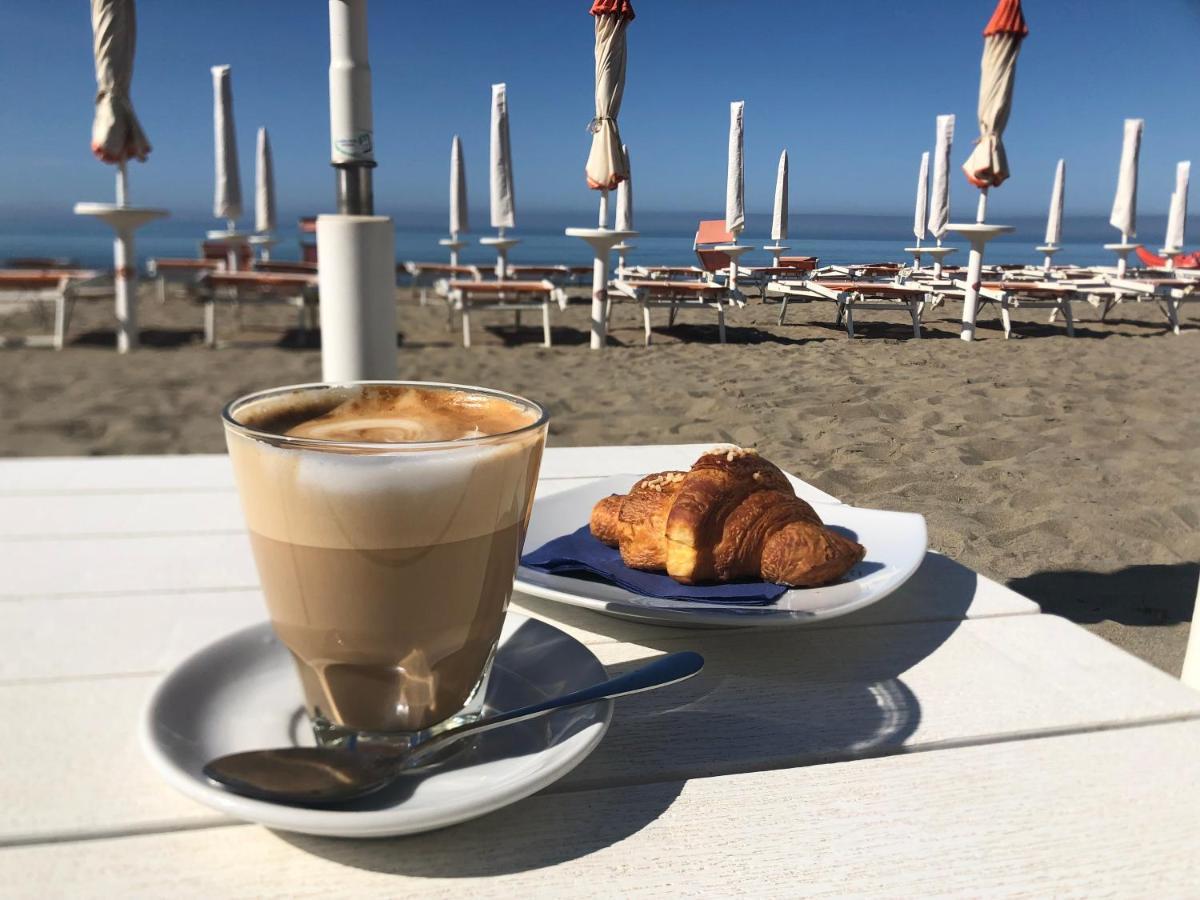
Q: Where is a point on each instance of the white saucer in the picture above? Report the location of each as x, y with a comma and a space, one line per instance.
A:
242, 693
895, 542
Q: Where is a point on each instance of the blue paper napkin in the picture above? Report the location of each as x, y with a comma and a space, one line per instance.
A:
579, 553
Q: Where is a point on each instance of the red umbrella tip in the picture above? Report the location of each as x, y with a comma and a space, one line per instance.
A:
1007, 19
622, 8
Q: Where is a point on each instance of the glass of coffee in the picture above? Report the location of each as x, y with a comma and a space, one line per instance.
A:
386, 520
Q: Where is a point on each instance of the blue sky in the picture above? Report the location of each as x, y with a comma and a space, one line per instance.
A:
849, 87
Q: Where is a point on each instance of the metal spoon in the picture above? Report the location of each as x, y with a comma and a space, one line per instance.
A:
320, 775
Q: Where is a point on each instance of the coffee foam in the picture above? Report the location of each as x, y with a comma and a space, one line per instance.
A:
387, 414
390, 499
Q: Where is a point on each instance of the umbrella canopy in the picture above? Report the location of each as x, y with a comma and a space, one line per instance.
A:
1177, 219
735, 183
922, 208
939, 207
264, 186
227, 199
1054, 220
606, 166
779, 219
459, 223
987, 165
1124, 209
503, 200
625, 195
116, 133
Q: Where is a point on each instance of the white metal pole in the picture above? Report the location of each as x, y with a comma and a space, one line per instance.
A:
981, 210
971, 294
1121, 254
604, 209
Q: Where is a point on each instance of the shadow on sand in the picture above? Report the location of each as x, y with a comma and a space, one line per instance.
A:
1135, 595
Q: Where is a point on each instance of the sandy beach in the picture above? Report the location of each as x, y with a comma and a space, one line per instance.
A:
1065, 468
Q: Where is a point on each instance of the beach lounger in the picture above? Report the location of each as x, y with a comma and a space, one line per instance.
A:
710, 234
1170, 293
39, 262
674, 294
511, 295
223, 252
426, 275
60, 287
880, 296
307, 225
1013, 294
285, 266
187, 272
239, 289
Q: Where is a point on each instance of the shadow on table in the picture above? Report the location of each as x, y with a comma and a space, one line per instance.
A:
1135, 595
767, 698
774, 697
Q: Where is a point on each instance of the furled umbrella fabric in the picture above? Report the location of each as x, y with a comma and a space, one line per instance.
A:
939, 206
735, 184
116, 133
779, 217
503, 206
227, 198
922, 207
624, 220
606, 166
1054, 219
1124, 209
264, 186
987, 166
459, 223
1177, 219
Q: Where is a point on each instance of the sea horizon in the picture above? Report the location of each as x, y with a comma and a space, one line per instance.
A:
665, 238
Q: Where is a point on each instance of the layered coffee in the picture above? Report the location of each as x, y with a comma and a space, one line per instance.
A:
386, 523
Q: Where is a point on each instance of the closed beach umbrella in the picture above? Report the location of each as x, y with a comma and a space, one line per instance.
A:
939, 207
227, 198
606, 166
1177, 220
1124, 209
503, 202
922, 198
779, 218
1054, 219
264, 186
987, 165
458, 190
735, 183
116, 133
625, 195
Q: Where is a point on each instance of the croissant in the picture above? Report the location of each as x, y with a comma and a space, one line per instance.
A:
733, 516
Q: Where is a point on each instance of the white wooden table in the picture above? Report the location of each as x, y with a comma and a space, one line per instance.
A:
949, 740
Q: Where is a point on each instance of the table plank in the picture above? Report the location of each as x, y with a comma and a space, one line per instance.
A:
189, 473
89, 516
1061, 816
764, 700
131, 632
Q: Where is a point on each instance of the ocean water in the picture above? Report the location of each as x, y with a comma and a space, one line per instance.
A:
664, 239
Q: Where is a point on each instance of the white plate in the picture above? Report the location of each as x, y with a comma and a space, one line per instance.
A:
895, 542
242, 693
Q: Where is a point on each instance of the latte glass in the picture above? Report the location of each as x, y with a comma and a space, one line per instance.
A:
387, 567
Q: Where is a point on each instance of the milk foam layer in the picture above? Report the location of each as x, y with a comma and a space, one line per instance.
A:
397, 496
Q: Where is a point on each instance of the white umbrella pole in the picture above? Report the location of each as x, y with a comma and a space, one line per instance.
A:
600, 282
122, 185
357, 272
981, 209
125, 288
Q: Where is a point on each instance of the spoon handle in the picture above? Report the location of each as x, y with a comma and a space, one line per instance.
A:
665, 670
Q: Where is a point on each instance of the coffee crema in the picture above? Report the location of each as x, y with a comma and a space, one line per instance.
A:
387, 570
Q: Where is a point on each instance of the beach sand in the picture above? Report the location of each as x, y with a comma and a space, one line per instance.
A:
1065, 468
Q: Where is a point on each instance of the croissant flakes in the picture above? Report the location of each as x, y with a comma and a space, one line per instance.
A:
732, 517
